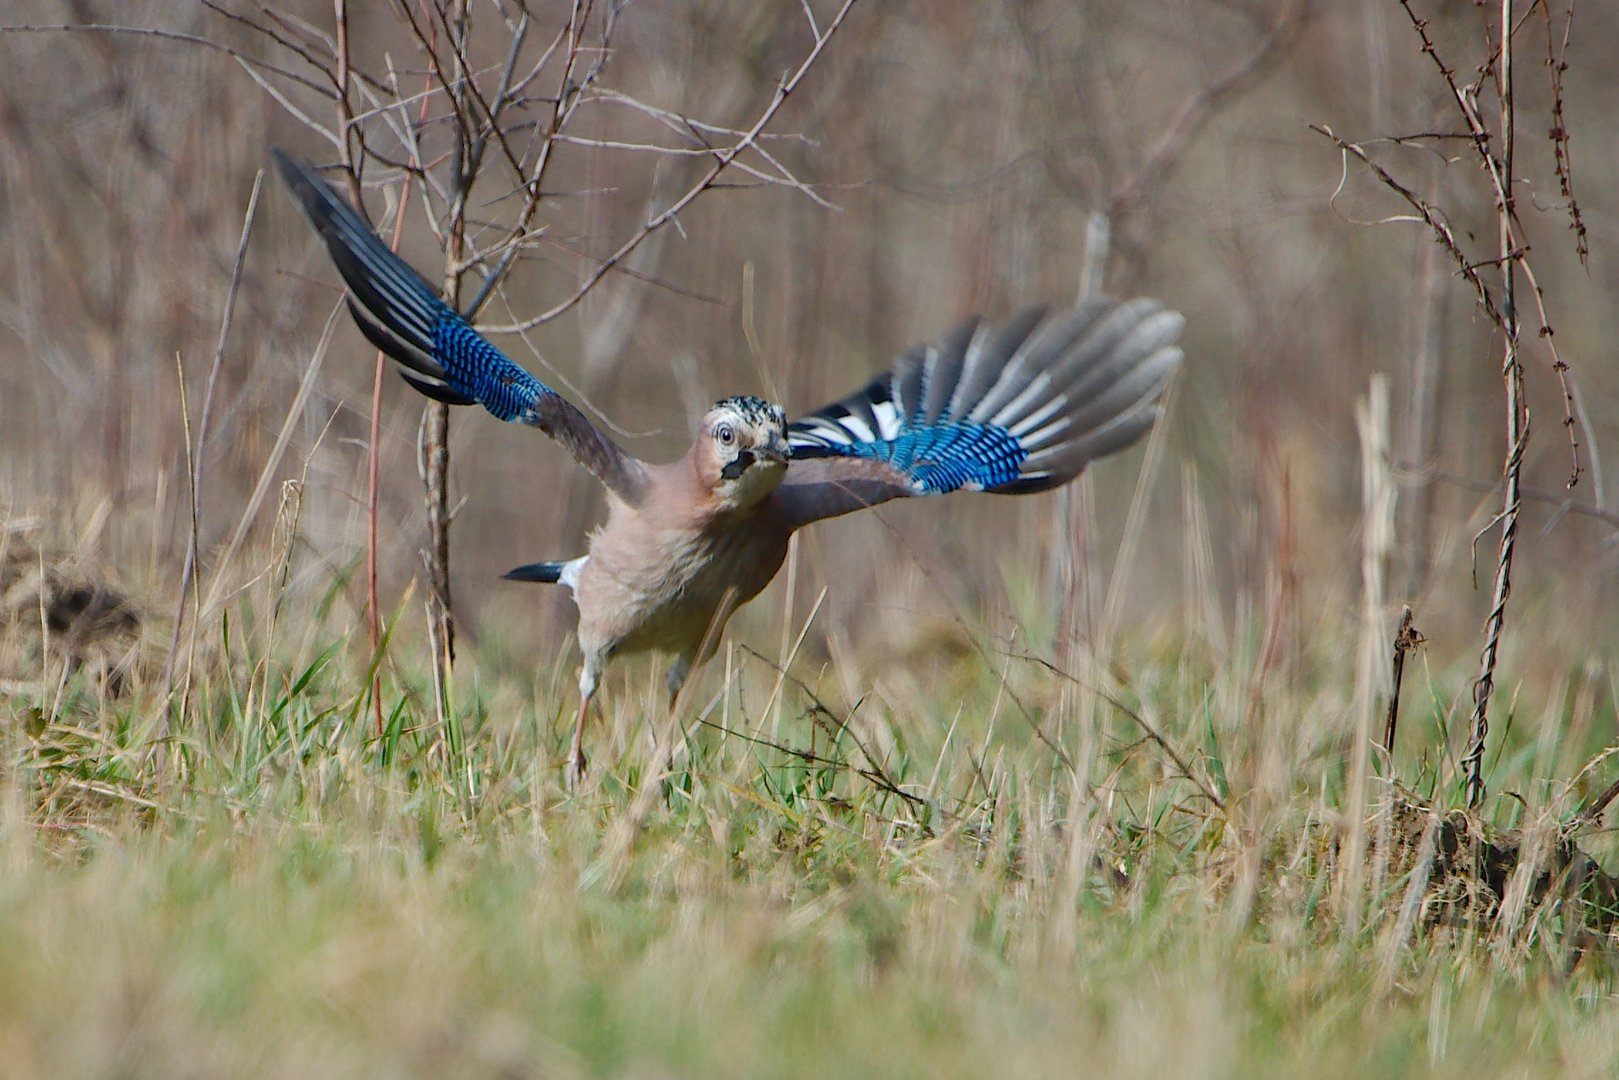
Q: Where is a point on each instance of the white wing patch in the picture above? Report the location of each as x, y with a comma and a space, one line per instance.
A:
888, 419
854, 428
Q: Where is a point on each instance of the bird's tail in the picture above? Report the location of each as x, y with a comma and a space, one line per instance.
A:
548, 573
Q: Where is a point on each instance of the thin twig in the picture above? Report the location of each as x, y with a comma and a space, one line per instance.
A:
373, 457
345, 155
564, 103
169, 35
875, 772
1592, 810
1142, 722
1201, 106
345, 113
1426, 213
723, 158
1561, 501
810, 757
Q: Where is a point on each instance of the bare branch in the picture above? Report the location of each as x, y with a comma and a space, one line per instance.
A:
1426, 213
168, 35
722, 159
1500, 169
1201, 106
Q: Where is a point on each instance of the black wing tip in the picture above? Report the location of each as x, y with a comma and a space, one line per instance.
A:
287, 163
1032, 485
299, 176
317, 195
546, 573
436, 391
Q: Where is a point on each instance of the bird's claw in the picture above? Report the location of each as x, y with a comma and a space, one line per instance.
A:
573, 775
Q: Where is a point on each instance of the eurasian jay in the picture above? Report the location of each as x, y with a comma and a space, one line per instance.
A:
1012, 407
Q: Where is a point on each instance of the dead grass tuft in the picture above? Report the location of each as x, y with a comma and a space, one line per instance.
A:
1494, 878
64, 610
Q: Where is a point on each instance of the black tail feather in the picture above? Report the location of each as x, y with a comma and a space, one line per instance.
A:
548, 573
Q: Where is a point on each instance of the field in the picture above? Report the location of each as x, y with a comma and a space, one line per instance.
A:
285, 894
1090, 782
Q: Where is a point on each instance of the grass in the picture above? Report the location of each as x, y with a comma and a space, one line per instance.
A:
907, 883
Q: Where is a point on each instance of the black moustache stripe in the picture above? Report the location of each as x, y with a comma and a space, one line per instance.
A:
739, 465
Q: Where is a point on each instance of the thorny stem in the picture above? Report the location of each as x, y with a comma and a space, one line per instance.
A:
1502, 309
1557, 65
1517, 426
1466, 98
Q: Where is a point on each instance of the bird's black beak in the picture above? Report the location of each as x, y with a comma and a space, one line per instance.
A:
745, 458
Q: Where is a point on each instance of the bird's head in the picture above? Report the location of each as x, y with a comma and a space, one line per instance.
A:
742, 449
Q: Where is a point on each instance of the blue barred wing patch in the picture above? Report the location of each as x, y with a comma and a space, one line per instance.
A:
440, 354
405, 317
1017, 406
477, 369
940, 458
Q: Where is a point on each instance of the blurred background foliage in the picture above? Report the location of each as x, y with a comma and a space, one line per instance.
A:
964, 146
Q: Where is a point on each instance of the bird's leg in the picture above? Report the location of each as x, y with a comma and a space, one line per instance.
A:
589, 674
675, 731
673, 679
576, 749
676, 677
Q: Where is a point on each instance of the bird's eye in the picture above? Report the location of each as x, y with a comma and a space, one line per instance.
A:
726, 434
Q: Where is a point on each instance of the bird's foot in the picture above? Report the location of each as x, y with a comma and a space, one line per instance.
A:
573, 775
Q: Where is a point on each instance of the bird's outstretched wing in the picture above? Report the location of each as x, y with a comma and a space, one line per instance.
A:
446, 358
1018, 406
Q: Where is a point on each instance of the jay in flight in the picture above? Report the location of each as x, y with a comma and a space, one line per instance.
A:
1011, 407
